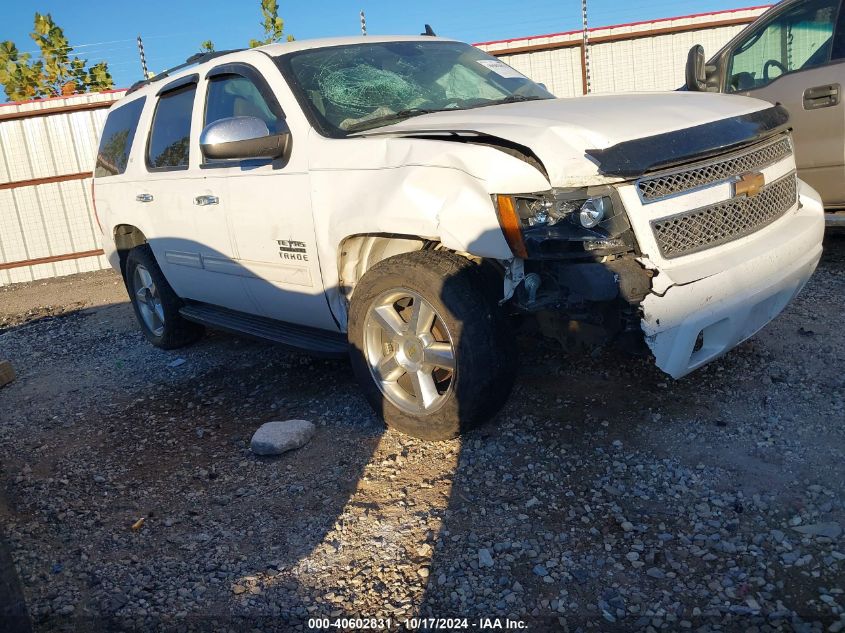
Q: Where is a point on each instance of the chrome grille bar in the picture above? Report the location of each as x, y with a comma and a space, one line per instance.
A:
657, 187
706, 227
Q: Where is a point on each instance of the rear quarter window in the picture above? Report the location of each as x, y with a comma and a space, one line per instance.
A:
116, 140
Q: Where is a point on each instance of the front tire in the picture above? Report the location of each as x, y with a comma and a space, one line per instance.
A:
429, 345
155, 303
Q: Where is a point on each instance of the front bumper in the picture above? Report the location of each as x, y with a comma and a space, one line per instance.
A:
691, 324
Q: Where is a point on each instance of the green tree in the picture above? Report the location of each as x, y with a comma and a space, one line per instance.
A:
55, 73
273, 25
20, 79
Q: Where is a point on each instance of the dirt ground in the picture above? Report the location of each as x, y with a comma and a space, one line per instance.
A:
605, 496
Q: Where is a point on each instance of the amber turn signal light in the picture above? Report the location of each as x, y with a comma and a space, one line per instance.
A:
511, 226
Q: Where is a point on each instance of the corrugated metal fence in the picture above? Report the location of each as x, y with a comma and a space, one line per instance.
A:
640, 56
47, 153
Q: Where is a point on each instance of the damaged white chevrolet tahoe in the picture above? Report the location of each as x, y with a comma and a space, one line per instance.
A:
400, 199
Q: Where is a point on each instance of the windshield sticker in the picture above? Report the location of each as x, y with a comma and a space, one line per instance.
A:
500, 68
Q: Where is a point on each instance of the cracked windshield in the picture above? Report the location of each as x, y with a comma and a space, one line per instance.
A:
364, 86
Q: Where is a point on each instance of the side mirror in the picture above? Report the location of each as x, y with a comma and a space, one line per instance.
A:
696, 74
243, 137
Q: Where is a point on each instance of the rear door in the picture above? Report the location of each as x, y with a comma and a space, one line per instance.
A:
190, 235
795, 58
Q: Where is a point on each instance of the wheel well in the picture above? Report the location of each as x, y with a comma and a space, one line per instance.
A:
127, 237
359, 253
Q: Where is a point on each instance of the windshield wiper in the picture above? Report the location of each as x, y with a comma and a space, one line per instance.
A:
509, 99
388, 118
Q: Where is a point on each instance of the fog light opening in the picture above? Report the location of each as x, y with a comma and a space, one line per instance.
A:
699, 342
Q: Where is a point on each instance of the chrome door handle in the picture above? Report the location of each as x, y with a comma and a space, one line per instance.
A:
144, 197
204, 201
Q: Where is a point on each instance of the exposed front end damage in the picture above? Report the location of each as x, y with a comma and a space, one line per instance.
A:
628, 300
679, 237
686, 274
586, 303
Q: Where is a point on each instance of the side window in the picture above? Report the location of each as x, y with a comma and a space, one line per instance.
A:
797, 39
116, 140
235, 95
171, 130
838, 51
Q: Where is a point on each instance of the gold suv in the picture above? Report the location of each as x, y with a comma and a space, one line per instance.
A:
793, 55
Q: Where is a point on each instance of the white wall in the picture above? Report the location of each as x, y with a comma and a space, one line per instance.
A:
642, 62
559, 70
52, 219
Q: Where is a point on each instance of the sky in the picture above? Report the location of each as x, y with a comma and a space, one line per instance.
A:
105, 30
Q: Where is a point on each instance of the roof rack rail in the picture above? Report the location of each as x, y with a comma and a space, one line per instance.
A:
196, 58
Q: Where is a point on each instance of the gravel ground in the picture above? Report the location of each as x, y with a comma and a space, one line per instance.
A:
603, 497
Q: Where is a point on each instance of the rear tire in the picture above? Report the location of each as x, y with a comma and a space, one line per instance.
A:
429, 345
155, 303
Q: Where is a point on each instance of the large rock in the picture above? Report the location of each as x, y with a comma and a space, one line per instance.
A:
485, 559
275, 438
7, 373
831, 530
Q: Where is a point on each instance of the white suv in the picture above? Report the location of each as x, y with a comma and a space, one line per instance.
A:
401, 198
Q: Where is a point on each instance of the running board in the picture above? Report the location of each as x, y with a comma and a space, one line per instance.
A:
318, 342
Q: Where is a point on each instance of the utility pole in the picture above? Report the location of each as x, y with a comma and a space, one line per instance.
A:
363, 23
143, 58
585, 48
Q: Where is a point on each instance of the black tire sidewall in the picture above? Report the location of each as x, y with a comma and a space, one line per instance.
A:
485, 355
177, 331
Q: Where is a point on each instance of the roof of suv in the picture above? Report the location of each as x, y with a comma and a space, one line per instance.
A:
326, 42
273, 50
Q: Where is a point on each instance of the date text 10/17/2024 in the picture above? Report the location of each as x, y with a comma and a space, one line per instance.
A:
414, 624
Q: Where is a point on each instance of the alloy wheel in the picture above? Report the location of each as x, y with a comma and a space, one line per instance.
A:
409, 351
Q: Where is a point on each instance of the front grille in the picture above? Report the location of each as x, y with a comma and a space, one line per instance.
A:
700, 229
654, 188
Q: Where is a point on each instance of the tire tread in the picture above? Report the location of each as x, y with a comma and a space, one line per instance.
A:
486, 352
178, 331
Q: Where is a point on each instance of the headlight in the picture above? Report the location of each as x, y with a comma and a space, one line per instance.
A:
549, 209
561, 221
592, 211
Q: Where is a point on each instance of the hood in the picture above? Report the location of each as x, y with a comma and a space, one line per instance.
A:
567, 135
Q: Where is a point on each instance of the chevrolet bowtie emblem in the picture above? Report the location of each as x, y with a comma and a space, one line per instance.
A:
749, 184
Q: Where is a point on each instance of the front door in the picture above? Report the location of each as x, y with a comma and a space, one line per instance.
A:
268, 204
795, 59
